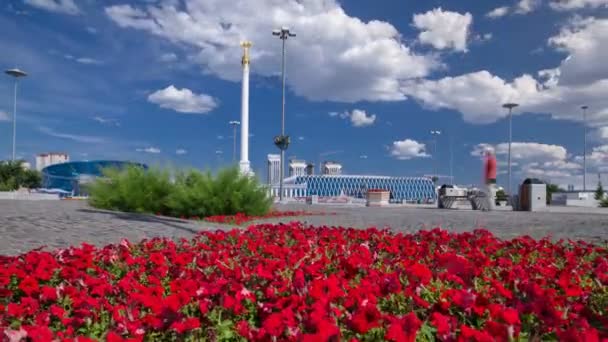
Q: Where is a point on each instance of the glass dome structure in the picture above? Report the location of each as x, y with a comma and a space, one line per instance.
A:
71, 176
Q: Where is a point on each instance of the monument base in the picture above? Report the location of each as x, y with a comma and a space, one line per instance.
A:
245, 168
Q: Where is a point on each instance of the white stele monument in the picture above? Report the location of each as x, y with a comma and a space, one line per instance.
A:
244, 164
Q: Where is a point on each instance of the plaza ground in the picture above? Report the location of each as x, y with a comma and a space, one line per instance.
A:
25, 225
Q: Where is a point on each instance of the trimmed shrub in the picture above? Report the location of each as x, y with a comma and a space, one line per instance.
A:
133, 189
191, 194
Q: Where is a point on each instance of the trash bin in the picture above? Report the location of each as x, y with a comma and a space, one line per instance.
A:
532, 195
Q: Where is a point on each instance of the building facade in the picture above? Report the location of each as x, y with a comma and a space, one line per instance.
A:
47, 159
274, 168
402, 189
330, 168
297, 168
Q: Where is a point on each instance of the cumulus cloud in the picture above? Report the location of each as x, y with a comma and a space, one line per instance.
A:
180, 151
153, 150
498, 12
183, 100
599, 134
527, 151
358, 117
59, 6
4, 116
408, 149
334, 57
581, 78
444, 29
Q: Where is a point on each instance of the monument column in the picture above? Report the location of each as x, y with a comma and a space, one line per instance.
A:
244, 164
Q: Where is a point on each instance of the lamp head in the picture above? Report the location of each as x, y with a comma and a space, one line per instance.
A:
16, 73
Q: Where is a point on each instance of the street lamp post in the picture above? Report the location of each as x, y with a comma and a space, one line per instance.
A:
16, 73
234, 124
282, 141
584, 108
510, 107
437, 133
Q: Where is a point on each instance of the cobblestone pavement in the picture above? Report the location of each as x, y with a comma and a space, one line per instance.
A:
25, 225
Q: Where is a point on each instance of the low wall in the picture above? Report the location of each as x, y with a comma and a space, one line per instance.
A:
25, 196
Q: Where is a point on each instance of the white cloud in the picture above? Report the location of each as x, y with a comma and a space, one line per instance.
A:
599, 134
88, 60
92, 30
220, 137
106, 121
183, 100
168, 57
584, 41
87, 139
301, 138
563, 5
334, 57
59, 6
4, 116
498, 12
527, 151
408, 149
153, 150
180, 151
359, 118
478, 96
527, 6
444, 29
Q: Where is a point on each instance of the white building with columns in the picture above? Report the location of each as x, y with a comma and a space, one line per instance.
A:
297, 168
331, 168
274, 168
47, 159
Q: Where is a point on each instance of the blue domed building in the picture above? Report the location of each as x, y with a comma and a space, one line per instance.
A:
71, 176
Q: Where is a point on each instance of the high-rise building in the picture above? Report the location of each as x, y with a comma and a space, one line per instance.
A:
331, 168
47, 159
297, 167
310, 169
274, 168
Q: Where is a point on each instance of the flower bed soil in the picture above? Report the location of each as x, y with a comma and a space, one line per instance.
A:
295, 283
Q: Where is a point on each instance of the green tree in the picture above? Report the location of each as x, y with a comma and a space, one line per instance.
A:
13, 176
551, 189
599, 192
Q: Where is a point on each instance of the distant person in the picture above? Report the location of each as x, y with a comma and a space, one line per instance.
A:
490, 177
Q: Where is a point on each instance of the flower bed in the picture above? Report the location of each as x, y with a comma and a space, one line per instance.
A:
295, 283
240, 218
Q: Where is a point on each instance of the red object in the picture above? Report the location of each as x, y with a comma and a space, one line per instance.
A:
490, 168
295, 282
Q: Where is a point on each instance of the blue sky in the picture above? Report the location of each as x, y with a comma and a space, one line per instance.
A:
158, 82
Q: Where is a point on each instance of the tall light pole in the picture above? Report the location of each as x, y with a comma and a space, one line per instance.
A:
16, 73
584, 108
234, 124
435, 133
282, 141
510, 107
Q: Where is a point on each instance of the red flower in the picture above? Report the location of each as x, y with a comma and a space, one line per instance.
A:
29, 285
404, 329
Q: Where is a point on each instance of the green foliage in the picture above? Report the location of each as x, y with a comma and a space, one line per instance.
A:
192, 193
599, 192
604, 203
133, 190
551, 189
13, 176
